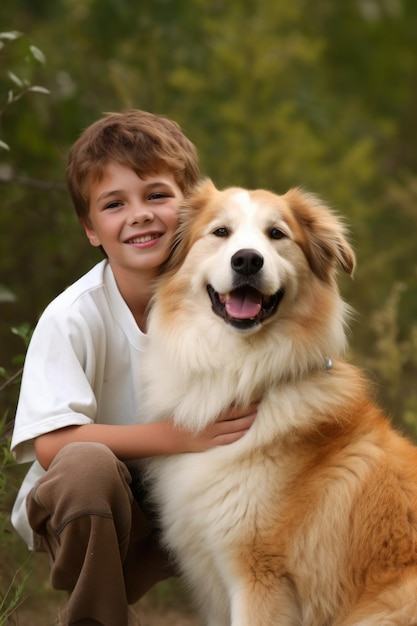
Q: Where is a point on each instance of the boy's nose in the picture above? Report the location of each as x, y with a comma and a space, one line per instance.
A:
140, 213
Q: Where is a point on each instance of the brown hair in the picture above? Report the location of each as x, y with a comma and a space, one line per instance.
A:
143, 141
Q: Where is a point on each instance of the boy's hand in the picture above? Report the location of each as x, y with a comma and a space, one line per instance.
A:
229, 427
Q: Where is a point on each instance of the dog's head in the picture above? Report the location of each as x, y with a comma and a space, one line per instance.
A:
252, 251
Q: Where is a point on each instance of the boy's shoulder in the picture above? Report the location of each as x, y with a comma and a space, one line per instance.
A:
89, 284
92, 308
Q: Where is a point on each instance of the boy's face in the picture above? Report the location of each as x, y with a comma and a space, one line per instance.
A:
133, 218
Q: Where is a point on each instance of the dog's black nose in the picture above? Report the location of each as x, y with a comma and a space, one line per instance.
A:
247, 261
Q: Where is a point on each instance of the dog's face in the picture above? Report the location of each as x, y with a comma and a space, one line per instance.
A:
251, 251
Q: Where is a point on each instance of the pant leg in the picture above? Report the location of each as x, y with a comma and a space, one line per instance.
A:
104, 551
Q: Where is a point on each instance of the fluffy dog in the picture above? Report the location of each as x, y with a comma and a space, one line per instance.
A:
311, 518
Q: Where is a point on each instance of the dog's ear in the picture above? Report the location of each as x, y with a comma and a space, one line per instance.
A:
198, 198
192, 207
188, 213
325, 241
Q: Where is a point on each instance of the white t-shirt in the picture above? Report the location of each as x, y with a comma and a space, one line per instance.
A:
81, 367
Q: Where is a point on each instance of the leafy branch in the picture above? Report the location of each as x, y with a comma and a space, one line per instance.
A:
21, 86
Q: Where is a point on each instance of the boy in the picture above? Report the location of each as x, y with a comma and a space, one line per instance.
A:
79, 411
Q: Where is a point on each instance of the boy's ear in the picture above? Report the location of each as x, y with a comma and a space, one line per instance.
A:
91, 234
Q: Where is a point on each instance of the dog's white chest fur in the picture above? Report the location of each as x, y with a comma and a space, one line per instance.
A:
206, 513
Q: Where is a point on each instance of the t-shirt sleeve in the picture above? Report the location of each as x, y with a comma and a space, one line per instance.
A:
57, 383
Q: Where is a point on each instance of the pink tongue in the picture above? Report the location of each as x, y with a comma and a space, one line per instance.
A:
243, 304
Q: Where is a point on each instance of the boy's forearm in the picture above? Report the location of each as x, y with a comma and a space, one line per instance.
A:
127, 442
137, 441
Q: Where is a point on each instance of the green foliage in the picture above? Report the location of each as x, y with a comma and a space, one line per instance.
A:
20, 85
12, 595
12, 588
393, 359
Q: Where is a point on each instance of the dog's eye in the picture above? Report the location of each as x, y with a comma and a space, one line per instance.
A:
276, 233
222, 231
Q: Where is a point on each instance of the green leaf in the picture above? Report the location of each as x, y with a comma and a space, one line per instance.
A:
24, 331
5, 294
11, 35
38, 54
17, 81
39, 89
4, 145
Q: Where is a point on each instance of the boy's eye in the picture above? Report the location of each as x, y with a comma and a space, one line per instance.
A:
113, 205
158, 195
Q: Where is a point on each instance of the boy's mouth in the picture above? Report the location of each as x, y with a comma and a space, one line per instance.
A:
143, 238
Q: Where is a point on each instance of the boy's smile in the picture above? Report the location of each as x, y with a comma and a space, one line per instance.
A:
133, 218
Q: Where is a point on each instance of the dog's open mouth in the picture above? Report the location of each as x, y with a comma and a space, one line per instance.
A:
244, 307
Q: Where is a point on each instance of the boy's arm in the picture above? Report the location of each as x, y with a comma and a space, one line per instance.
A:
146, 440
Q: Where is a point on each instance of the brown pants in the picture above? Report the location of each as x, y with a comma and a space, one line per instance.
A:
104, 550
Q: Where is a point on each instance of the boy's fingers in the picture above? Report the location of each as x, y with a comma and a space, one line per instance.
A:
237, 412
236, 424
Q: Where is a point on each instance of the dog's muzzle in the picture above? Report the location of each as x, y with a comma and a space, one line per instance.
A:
245, 306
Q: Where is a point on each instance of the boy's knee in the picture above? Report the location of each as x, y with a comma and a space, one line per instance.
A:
83, 458
84, 479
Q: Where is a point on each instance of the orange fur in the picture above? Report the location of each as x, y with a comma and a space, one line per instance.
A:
311, 518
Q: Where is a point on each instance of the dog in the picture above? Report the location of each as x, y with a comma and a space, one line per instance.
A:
311, 517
